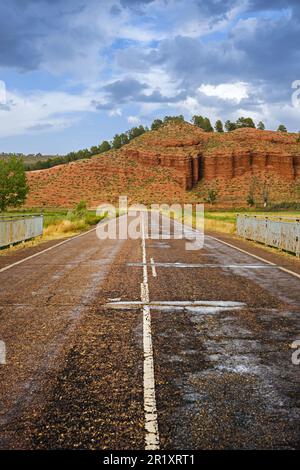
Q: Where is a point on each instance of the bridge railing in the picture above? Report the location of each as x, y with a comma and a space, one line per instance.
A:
279, 232
14, 229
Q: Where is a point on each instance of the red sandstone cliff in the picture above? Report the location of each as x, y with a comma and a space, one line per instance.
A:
208, 156
161, 165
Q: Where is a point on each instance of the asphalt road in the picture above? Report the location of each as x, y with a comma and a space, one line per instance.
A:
140, 343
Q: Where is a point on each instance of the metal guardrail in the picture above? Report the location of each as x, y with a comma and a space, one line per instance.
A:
14, 229
281, 232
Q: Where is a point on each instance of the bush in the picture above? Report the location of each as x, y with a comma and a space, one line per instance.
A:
212, 196
92, 219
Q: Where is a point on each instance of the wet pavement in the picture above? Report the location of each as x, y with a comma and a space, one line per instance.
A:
222, 324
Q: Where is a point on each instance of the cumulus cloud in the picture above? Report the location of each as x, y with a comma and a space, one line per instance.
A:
115, 112
42, 111
134, 120
226, 91
2, 93
218, 58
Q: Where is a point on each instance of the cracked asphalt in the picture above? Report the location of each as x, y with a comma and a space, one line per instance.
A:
73, 378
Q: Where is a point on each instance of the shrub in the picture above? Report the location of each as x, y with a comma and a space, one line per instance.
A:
212, 196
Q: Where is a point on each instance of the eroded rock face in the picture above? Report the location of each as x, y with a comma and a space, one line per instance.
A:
208, 156
161, 165
231, 164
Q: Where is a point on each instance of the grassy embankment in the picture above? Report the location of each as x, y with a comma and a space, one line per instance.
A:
225, 221
58, 223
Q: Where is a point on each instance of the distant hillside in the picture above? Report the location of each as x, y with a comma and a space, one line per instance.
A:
29, 159
42, 162
180, 163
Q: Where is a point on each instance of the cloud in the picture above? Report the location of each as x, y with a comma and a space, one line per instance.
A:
124, 90
226, 91
42, 127
115, 112
133, 120
2, 93
42, 112
143, 57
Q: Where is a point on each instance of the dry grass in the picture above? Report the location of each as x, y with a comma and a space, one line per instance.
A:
212, 223
63, 228
21, 245
215, 225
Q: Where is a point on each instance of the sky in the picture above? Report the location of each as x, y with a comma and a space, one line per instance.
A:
75, 72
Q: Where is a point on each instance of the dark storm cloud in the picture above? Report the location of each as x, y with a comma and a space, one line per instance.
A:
130, 89
259, 48
25, 25
122, 90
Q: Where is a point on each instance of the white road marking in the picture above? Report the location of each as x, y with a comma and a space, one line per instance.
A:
177, 304
215, 303
44, 251
154, 274
151, 424
198, 265
257, 257
247, 253
104, 222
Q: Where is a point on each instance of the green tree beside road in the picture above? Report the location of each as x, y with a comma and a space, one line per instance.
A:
13, 185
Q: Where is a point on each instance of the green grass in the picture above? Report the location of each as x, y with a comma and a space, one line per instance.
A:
60, 223
225, 221
230, 216
55, 216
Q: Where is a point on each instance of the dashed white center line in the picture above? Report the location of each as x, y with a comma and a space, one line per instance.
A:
153, 268
151, 424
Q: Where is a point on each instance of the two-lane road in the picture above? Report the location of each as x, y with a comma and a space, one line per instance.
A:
127, 344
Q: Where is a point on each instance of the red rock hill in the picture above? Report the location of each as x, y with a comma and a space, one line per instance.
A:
178, 162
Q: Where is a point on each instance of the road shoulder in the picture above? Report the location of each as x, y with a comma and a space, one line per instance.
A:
269, 254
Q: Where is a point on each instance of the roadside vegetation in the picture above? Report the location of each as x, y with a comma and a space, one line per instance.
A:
225, 221
70, 222
13, 186
58, 223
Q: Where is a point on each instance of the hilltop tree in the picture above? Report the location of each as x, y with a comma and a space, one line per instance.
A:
245, 122
202, 122
282, 128
116, 142
13, 185
124, 138
119, 140
179, 118
230, 126
94, 150
104, 146
156, 124
219, 126
261, 126
135, 132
